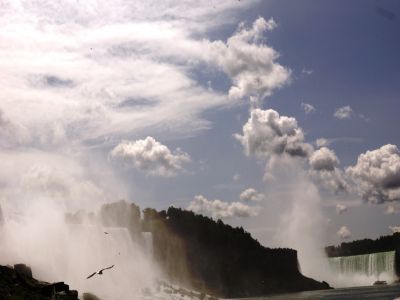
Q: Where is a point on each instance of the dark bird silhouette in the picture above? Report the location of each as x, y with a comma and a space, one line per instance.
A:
105, 232
91, 275
99, 272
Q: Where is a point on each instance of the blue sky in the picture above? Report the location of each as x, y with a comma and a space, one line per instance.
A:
162, 69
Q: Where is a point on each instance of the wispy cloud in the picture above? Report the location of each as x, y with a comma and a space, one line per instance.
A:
308, 108
344, 112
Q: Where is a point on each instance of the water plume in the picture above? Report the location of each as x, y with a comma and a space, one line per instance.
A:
303, 224
61, 251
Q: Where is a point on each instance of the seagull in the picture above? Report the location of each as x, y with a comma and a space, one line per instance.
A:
99, 272
91, 275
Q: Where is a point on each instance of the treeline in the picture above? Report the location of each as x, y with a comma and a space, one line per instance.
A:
216, 258
365, 246
206, 255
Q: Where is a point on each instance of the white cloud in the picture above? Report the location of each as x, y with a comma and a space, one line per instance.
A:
344, 112
334, 181
151, 156
221, 210
392, 210
236, 177
110, 70
31, 175
341, 208
324, 169
344, 233
323, 159
249, 62
306, 71
251, 195
395, 229
267, 134
279, 139
322, 142
308, 108
377, 174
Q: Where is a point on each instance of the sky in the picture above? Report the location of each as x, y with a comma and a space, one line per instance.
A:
273, 115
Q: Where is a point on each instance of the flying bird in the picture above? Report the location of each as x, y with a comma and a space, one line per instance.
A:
91, 275
99, 272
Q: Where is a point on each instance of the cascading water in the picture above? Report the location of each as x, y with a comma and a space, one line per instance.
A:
57, 251
148, 242
364, 269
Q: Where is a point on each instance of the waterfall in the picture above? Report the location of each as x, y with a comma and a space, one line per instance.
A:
71, 252
148, 242
367, 268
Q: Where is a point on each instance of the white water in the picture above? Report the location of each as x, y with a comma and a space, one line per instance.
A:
148, 242
363, 269
57, 251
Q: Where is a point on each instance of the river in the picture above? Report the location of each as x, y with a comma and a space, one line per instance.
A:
385, 292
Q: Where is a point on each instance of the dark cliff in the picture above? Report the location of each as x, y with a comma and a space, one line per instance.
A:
216, 258
17, 283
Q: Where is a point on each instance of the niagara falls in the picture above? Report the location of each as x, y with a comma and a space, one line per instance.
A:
199, 150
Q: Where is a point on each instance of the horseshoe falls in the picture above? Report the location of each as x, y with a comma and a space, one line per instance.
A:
363, 269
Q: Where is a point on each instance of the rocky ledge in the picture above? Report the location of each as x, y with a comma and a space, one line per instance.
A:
17, 283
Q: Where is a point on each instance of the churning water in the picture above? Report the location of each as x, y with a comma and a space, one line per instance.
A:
389, 292
364, 269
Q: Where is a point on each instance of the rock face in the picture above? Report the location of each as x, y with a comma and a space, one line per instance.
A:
18, 284
217, 259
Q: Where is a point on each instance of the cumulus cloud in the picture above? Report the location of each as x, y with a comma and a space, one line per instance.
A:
344, 233
377, 174
277, 138
220, 209
334, 181
344, 112
323, 159
395, 229
251, 195
151, 156
267, 134
323, 163
322, 142
308, 108
341, 208
249, 62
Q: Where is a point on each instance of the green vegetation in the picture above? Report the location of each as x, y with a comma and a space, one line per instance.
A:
218, 259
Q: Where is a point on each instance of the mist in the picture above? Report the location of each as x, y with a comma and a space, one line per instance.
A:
38, 189
58, 251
